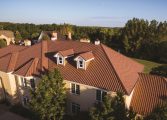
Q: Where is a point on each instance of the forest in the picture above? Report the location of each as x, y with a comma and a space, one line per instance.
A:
139, 38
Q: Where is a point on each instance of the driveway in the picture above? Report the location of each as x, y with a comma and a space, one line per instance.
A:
5, 114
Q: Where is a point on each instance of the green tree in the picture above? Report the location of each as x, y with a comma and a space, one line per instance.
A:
35, 35
162, 52
2, 43
120, 111
112, 109
102, 110
45, 37
48, 100
18, 36
159, 113
160, 70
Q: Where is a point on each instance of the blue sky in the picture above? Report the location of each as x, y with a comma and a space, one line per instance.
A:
110, 13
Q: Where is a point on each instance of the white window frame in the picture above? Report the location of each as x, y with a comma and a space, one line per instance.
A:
24, 81
83, 63
58, 60
75, 91
101, 95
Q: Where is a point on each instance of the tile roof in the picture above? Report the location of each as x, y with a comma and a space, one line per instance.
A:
8, 57
66, 53
125, 68
7, 33
29, 68
87, 55
150, 91
103, 72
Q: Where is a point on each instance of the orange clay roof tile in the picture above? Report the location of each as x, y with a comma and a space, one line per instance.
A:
149, 92
109, 70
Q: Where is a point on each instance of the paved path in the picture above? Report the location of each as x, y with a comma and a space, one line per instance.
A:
6, 115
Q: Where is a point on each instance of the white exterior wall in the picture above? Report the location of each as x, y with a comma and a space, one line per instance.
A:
128, 99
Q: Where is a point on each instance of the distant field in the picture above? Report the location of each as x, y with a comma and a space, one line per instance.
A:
148, 65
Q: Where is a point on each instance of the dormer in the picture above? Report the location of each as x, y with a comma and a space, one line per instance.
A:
63, 55
83, 60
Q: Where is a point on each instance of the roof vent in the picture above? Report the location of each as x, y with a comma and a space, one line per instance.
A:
97, 42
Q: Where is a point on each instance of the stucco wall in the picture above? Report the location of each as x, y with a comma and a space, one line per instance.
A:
22, 90
9, 83
128, 99
86, 99
8, 40
14, 86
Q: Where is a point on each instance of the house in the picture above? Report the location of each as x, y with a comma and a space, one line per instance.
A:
90, 71
7, 35
55, 35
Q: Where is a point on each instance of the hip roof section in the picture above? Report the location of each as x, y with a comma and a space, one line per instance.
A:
109, 70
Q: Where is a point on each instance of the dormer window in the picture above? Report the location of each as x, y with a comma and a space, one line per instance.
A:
60, 60
81, 64
63, 55
84, 59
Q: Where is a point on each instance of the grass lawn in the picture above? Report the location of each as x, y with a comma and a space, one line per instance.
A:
148, 64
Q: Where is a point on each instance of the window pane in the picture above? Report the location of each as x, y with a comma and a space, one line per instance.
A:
32, 82
73, 88
77, 89
77, 108
60, 60
25, 82
103, 95
98, 95
81, 64
73, 108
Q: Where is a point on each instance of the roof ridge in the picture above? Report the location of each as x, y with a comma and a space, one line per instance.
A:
113, 67
33, 62
12, 61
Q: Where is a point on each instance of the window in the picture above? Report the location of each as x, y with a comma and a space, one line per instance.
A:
100, 95
75, 88
24, 81
25, 100
60, 60
81, 64
32, 83
75, 108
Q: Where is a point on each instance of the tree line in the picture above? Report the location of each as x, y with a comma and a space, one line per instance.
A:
139, 38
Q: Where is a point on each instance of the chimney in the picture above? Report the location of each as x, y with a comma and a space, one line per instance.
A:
54, 36
69, 35
97, 42
27, 42
44, 47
